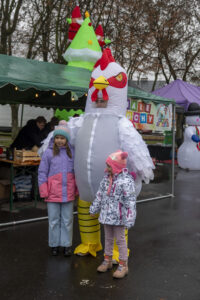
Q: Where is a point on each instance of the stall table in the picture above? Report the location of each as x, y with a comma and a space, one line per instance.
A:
28, 167
159, 145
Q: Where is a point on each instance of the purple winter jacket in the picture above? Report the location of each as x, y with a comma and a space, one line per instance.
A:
56, 175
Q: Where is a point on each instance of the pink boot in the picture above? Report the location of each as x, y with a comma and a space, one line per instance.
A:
122, 270
106, 264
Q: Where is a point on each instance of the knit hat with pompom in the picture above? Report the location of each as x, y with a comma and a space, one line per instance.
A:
117, 161
62, 129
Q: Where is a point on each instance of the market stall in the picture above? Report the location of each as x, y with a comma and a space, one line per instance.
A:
155, 120
184, 94
61, 86
25, 81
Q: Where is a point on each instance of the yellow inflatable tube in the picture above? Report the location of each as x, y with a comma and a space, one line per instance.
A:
90, 233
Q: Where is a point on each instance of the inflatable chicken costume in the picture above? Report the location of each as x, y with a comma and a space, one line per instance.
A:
102, 130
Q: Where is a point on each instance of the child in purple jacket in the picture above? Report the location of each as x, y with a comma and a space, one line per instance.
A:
57, 185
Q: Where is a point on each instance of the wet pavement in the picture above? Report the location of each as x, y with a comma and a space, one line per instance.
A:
164, 263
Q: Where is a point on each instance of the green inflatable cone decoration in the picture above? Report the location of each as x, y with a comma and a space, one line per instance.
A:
84, 49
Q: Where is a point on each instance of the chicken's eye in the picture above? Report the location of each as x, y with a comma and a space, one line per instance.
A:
119, 77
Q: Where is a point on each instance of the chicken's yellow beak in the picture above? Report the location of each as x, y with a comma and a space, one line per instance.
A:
100, 83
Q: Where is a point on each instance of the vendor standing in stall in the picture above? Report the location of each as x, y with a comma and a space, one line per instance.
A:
30, 136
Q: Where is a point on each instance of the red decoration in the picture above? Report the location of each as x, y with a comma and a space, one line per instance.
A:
73, 28
76, 13
99, 30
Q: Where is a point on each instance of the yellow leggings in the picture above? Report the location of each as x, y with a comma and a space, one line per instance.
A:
90, 232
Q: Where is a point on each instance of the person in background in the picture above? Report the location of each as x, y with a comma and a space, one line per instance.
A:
49, 127
57, 186
116, 202
30, 136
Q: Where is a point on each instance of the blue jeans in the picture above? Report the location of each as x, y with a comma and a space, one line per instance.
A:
60, 224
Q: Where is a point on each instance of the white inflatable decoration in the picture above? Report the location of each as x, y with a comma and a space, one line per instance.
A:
103, 130
189, 152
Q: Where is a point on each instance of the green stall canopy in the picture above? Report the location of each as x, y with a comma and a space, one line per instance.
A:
147, 97
26, 81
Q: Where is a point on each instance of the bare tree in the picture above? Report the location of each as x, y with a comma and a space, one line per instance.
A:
9, 13
147, 35
174, 37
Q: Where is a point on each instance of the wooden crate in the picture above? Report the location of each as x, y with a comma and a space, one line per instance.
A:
153, 137
26, 155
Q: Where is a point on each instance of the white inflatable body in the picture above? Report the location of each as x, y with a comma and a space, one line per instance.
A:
92, 146
98, 136
188, 154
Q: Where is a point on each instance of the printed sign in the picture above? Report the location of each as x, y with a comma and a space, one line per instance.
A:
149, 116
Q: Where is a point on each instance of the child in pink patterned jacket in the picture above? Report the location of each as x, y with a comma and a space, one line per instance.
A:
57, 185
116, 202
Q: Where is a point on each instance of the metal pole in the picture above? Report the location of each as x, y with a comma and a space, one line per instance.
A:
23, 221
11, 186
173, 145
155, 198
75, 212
26, 221
22, 113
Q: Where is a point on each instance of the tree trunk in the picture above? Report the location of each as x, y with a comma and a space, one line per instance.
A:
14, 113
155, 80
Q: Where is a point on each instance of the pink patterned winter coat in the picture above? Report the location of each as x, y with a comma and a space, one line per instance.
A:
119, 206
56, 175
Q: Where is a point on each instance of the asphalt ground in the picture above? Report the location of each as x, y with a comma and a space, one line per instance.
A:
164, 262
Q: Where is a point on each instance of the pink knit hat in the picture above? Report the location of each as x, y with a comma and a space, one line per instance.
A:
117, 161
62, 129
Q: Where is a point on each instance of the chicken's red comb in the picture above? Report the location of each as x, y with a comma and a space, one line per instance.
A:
105, 59
111, 58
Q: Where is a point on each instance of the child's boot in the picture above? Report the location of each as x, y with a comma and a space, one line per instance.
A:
106, 264
54, 251
67, 251
122, 270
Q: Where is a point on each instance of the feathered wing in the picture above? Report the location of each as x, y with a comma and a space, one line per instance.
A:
74, 124
139, 159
